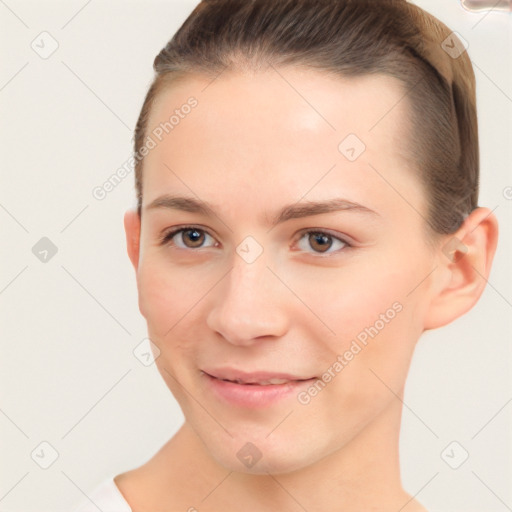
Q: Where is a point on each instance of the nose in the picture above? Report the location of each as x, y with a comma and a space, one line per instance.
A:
250, 304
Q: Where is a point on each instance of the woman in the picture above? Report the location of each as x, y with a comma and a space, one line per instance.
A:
307, 182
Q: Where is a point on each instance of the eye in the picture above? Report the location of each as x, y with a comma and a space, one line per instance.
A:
322, 241
190, 237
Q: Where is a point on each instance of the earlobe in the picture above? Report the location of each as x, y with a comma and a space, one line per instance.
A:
464, 265
132, 230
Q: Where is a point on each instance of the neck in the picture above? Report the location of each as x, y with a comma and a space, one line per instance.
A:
362, 475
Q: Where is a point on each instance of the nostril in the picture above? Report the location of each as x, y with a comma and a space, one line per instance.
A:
487, 5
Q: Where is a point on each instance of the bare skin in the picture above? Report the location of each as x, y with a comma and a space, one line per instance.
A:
250, 147
169, 482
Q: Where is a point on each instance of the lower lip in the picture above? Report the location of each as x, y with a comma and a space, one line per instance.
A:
254, 395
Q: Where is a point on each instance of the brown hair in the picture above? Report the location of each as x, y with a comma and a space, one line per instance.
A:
348, 38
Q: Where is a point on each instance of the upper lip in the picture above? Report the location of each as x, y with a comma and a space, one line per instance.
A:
248, 377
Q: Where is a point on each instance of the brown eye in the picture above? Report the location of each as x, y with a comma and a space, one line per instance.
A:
187, 238
194, 236
321, 242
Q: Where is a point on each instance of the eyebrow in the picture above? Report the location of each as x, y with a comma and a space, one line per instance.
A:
288, 212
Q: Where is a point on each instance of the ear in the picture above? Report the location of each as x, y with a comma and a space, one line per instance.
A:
132, 230
465, 260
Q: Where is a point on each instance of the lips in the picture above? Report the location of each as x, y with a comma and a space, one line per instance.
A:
260, 382
269, 382
261, 378
259, 389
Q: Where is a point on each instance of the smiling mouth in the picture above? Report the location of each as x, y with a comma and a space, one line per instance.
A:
270, 382
256, 379
254, 391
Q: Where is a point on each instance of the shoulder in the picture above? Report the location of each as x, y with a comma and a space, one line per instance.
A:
145, 488
135, 486
414, 506
106, 496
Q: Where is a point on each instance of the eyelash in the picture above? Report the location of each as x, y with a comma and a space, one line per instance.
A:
166, 238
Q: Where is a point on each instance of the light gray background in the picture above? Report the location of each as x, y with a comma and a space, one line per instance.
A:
69, 326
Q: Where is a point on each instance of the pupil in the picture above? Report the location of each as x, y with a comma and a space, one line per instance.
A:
194, 235
323, 240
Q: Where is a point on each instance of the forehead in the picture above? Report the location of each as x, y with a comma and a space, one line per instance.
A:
286, 127
287, 101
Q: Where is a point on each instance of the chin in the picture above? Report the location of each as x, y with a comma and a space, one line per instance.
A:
274, 465
258, 455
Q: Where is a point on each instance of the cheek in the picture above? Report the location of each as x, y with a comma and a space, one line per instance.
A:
374, 373
166, 300
376, 333
367, 322
347, 299
154, 296
163, 295
171, 301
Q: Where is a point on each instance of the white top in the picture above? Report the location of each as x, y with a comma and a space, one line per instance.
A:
105, 497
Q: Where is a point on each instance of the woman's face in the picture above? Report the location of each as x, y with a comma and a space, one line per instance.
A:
254, 287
